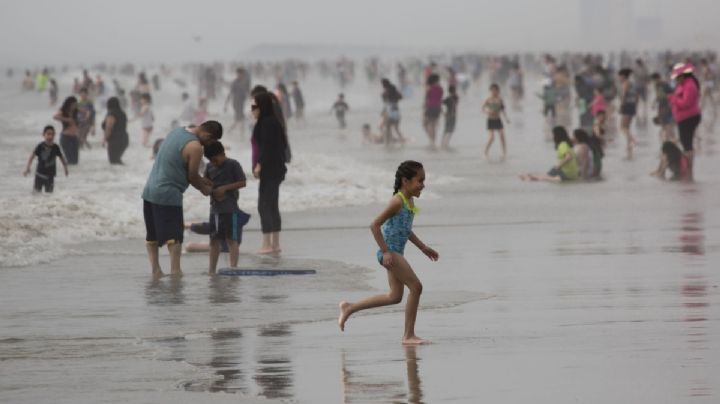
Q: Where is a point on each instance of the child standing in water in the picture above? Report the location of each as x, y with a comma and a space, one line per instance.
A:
340, 107
46, 152
392, 229
494, 107
146, 118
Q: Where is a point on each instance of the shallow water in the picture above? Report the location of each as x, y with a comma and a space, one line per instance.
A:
602, 292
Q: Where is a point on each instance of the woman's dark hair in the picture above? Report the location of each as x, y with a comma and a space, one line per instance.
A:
407, 169
65, 108
433, 79
560, 135
581, 136
673, 155
264, 102
114, 108
626, 72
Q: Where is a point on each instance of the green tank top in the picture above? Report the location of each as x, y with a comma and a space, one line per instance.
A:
168, 178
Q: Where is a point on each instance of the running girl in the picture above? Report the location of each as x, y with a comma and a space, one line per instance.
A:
392, 229
494, 107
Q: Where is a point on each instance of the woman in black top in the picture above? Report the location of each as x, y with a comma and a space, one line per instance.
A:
271, 139
115, 128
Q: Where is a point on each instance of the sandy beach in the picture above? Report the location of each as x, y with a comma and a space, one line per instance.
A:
573, 293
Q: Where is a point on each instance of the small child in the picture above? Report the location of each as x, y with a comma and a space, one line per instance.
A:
47, 151
664, 117
146, 118
392, 229
53, 92
549, 99
340, 107
450, 102
369, 136
494, 107
299, 101
86, 117
672, 160
227, 177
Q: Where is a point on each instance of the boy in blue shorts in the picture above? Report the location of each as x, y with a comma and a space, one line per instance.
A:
227, 177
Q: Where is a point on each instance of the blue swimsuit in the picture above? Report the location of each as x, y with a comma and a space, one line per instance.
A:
397, 229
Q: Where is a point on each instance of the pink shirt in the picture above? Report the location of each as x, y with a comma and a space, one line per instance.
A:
433, 96
598, 105
685, 101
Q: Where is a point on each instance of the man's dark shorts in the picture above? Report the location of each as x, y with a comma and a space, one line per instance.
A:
163, 223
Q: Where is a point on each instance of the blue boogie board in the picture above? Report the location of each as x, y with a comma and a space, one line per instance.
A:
265, 272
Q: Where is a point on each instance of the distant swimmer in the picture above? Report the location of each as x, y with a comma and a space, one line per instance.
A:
147, 118
115, 136
69, 141
628, 108
340, 107
432, 107
46, 152
239, 93
392, 229
494, 107
176, 166
451, 104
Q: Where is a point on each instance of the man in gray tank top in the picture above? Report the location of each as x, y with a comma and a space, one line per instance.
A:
176, 166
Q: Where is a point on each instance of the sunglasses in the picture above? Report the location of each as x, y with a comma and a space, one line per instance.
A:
253, 107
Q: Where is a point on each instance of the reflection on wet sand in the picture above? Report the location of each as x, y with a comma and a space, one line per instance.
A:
273, 372
164, 291
696, 304
361, 388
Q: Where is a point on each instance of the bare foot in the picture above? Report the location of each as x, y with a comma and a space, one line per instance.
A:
265, 251
344, 314
414, 340
277, 251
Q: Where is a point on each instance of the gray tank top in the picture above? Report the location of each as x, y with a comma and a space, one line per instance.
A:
168, 178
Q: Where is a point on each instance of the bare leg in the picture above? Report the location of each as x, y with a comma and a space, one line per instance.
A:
154, 257
175, 250
690, 156
275, 242
393, 297
404, 273
234, 250
266, 246
213, 256
502, 141
490, 142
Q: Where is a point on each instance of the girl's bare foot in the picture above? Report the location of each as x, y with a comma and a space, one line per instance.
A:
414, 340
344, 314
265, 251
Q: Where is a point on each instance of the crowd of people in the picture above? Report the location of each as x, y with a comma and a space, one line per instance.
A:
609, 96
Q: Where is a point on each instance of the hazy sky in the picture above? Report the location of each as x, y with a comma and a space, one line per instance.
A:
83, 31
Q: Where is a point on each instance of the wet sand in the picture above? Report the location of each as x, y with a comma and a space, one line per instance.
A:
587, 293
